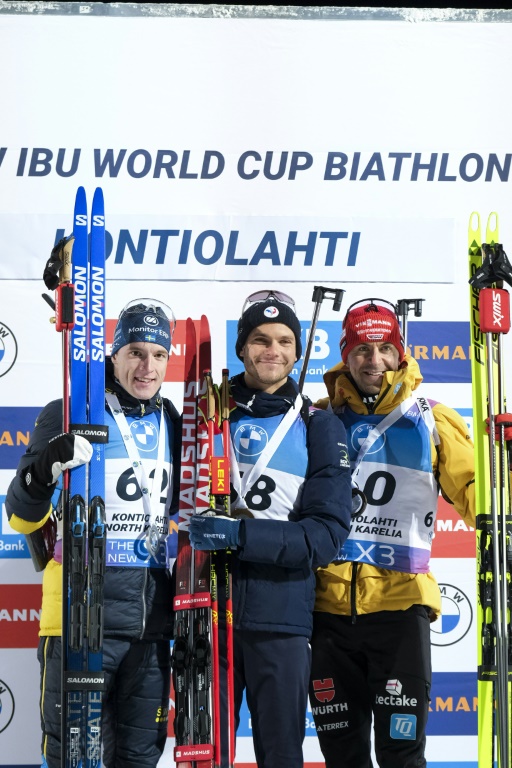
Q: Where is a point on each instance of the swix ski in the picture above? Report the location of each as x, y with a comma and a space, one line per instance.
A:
83, 525
192, 656
490, 319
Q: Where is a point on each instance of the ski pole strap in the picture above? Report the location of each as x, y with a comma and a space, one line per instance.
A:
242, 485
150, 497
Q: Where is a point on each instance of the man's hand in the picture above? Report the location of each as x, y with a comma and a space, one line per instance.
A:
501, 420
65, 451
214, 532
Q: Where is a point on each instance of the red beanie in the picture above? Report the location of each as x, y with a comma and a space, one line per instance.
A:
370, 321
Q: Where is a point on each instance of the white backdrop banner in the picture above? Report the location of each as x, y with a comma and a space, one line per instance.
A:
235, 151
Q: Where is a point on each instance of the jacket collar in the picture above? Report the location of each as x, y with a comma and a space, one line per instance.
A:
396, 387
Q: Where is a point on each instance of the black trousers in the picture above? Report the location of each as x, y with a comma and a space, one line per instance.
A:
135, 706
273, 669
376, 668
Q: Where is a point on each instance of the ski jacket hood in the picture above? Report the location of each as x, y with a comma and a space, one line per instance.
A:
395, 388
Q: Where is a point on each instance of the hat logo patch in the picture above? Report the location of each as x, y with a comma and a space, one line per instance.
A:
151, 319
271, 311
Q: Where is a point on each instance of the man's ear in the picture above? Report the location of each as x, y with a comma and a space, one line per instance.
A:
242, 352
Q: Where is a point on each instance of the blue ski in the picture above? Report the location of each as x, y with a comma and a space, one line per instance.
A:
84, 521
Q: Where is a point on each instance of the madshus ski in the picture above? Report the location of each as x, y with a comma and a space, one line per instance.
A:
80, 317
204, 489
489, 321
192, 648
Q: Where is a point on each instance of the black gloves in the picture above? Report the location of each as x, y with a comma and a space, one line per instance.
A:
53, 265
62, 452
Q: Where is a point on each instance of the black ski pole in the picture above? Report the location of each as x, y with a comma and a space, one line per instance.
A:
319, 294
403, 308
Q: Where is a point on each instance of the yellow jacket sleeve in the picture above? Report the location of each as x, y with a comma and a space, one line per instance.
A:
455, 461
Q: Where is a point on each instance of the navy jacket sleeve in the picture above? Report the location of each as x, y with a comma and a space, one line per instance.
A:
313, 537
18, 501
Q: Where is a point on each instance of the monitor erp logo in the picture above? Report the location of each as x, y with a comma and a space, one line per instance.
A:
441, 349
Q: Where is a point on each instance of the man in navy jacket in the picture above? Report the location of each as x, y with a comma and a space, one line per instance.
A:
291, 503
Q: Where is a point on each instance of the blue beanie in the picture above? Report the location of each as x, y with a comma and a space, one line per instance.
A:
143, 321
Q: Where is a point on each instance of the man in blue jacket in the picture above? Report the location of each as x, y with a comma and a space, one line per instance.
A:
137, 596
291, 504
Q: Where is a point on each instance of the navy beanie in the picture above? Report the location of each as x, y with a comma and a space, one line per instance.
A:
142, 322
269, 311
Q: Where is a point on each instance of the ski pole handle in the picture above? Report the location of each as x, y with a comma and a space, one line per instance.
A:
319, 294
403, 307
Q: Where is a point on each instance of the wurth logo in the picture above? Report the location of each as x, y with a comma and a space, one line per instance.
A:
324, 689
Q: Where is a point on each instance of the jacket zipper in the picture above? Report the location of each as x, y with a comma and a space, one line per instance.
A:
353, 607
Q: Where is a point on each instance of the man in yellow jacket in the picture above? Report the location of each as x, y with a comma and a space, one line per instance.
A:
374, 604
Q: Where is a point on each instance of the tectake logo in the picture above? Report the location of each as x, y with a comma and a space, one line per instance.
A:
8, 349
456, 617
6, 705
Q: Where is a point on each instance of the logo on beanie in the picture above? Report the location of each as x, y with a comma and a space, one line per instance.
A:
151, 319
271, 312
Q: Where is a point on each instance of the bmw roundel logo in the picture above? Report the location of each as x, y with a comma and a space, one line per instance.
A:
456, 617
8, 349
250, 440
360, 434
145, 434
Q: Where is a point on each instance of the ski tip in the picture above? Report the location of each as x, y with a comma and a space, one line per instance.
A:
492, 228
98, 194
474, 221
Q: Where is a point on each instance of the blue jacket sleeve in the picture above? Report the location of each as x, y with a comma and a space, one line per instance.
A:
314, 535
18, 501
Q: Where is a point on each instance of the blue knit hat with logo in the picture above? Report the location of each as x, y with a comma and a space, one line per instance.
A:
146, 321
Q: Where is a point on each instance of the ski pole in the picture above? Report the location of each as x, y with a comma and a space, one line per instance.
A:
403, 307
319, 294
210, 399
230, 651
64, 320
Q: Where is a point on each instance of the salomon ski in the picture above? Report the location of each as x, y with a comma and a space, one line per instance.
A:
84, 530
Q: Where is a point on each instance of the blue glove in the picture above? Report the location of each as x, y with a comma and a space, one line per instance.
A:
214, 532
